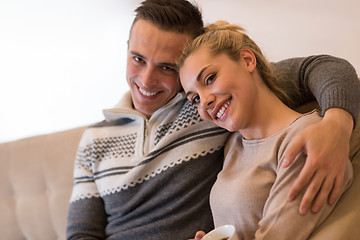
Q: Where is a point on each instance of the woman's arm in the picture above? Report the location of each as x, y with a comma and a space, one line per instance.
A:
334, 84
326, 145
280, 215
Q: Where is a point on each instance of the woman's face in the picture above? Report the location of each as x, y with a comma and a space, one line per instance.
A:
223, 89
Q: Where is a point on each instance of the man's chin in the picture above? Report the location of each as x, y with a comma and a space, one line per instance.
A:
144, 110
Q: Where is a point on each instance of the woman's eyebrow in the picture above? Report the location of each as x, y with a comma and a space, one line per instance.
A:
201, 72
198, 77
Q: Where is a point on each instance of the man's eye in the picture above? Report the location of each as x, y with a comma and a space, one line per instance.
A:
169, 69
210, 79
138, 59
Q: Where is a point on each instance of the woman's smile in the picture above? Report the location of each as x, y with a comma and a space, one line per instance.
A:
219, 112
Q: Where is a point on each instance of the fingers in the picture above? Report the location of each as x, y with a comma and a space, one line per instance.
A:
199, 235
312, 192
323, 194
330, 190
323, 186
303, 179
294, 148
336, 191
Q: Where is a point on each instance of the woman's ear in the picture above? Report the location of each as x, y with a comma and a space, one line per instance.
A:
249, 58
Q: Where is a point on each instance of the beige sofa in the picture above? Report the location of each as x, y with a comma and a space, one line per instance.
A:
36, 182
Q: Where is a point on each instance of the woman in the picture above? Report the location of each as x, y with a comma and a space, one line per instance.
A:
225, 74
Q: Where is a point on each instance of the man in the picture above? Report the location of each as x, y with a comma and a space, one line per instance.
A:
146, 172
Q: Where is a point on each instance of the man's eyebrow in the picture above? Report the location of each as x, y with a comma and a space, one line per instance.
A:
137, 54
172, 65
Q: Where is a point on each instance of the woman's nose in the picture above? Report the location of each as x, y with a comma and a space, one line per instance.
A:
208, 101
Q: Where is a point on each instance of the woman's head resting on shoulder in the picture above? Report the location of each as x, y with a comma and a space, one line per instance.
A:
217, 71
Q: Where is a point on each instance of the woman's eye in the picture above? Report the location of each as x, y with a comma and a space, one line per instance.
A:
195, 99
210, 79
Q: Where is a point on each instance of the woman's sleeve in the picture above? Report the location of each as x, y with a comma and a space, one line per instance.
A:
331, 81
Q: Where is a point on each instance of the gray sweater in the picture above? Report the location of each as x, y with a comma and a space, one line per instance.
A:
332, 81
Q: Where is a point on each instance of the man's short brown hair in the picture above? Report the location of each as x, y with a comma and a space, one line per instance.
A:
179, 16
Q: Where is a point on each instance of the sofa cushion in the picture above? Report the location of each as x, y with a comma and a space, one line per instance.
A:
36, 185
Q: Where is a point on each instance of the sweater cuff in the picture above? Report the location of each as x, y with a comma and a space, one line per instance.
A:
341, 98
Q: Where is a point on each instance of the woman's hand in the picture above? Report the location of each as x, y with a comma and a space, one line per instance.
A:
326, 145
199, 235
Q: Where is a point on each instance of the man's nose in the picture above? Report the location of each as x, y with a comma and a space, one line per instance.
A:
148, 77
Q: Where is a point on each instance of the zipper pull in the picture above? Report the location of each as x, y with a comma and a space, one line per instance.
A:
146, 130
145, 144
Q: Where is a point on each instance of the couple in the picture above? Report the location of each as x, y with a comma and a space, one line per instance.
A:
147, 171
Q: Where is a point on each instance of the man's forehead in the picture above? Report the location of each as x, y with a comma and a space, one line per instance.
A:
150, 41
144, 28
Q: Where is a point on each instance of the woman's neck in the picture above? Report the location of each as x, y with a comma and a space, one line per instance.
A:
270, 115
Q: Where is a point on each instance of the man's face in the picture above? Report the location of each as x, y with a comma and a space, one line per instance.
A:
151, 69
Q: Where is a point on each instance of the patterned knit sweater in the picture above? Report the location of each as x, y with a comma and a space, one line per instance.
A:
128, 167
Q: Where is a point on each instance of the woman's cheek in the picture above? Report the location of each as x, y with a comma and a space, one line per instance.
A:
204, 115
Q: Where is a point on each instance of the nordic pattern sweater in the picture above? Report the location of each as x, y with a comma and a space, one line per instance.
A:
132, 175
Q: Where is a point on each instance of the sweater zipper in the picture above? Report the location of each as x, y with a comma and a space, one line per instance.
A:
146, 133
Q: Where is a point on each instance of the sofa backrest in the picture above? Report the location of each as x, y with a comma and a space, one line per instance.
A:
35, 185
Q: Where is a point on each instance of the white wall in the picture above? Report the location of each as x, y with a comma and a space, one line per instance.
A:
289, 28
62, 62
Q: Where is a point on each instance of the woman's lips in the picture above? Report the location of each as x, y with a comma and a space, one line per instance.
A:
220, 109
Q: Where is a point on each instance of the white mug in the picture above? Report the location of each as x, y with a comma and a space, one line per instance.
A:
226, 232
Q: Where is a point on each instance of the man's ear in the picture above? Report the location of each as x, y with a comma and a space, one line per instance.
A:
249, 58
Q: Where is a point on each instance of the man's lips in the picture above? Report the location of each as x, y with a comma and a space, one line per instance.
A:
146, 92
220, 109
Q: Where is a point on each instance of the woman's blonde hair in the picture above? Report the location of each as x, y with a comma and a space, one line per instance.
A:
224, 38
